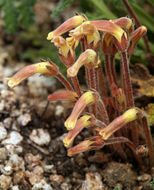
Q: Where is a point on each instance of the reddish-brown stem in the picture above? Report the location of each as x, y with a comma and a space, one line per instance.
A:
128, 93
76, 85
138, 24
102, 87
114, 140
64, 81
148, 140
126, 80
96, 79
108, 69
92, 85
112, 67
102, 112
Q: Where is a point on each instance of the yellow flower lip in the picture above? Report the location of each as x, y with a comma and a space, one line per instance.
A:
70, 123
66, 26
46, 67
131, 114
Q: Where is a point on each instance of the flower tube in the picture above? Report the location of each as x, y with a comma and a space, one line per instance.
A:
44, 68
86, 99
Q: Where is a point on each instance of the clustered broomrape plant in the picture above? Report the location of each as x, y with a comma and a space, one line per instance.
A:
114, 119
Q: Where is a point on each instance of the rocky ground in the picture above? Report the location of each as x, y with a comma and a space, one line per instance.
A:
32, 155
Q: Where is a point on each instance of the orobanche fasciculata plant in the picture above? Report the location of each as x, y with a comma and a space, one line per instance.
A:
111, 116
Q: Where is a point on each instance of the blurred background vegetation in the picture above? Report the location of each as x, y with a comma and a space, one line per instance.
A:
26, 23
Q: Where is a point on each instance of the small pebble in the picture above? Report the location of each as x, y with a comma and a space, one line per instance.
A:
18, 177
7, 122
15, 187
42, 185
59, 110
56, 179
65, 186
17, 161
14, 149
48, 168
33, 178
24, 119
3, 132
2, 105
6, 93
93, 181
15, 138
144, 177
40, 137
5, 182
3, 153
8, 169
38, 170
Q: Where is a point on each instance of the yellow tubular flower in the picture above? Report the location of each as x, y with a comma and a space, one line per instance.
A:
109, 27
88, 58
45, 68
66, 26
92, 143
83, 122
86, 99
130, 115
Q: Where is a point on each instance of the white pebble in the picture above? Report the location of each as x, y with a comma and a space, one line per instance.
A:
2, 105
42, 185
40, 137
5, 181
3, 133
24, 119
59, 110
15, 187
7, 169
15, 138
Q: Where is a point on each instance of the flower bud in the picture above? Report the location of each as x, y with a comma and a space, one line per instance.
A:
135, 37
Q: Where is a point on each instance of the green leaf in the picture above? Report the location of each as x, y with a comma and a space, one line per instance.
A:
117, 188
26, 13
144, 17
62, 5
152, 184
103, 9
117, 3
151, 2
10, 16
